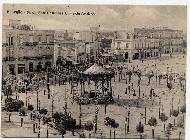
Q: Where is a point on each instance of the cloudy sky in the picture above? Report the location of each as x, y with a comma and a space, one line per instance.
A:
109, 17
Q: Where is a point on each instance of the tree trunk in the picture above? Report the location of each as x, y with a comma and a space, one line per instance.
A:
153, 133
145, 115
73, 132
164, 126
9, 117
114, 133
62, 135
47, 133
139, 91
34, 127
105, 107
21, 122
179, 135
89, 135
110, 132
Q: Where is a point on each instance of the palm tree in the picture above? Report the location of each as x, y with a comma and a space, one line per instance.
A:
115, 125
46, 120
9, 117
175, 114
152, 122
163, 118
111, 122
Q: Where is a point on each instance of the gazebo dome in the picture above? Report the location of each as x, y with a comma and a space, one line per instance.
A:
96, 69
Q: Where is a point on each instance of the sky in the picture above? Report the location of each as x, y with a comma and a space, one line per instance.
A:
109, 17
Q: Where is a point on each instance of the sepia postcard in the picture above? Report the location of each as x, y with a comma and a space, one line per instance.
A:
93, 71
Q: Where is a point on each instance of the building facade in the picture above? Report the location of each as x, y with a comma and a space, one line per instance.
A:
146, 43
144, 48
171, 41
25, 49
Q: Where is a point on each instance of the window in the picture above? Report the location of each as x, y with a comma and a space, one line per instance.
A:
10, 40
127, 45
21, 68
118, 45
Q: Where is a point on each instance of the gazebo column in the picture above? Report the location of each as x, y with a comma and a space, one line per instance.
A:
81, 87
110, 89
107, 80
96, 82
102, 84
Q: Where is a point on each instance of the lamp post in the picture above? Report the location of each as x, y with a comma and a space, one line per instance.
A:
52, 106
34, 116
37, 101
80, 115
39, 126
128, 122
39, 105
96, 119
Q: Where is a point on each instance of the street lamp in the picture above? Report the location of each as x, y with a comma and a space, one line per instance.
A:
96, 118
39, 119
37, 101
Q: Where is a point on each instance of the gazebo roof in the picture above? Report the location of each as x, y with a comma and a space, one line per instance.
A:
96, 69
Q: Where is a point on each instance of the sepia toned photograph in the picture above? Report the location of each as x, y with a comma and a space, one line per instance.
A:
93, 71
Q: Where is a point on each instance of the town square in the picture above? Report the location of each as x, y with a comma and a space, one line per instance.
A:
93, 83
